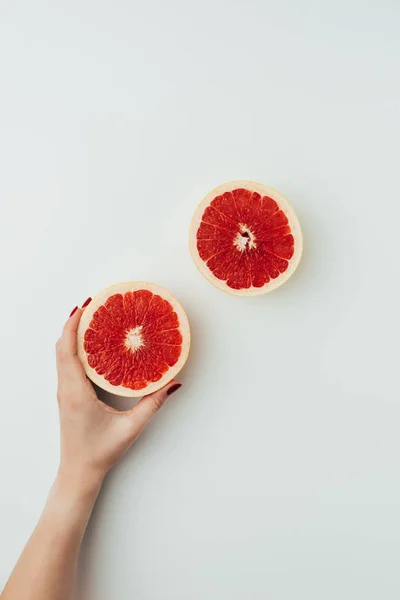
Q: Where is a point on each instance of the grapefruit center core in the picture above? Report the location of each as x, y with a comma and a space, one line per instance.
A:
244, 239
134, 339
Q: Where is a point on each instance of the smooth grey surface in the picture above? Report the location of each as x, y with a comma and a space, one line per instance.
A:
274, 473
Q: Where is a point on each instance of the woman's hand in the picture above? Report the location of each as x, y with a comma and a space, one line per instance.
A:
93, 435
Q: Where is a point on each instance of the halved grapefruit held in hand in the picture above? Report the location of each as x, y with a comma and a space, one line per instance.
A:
245, 238
133, 338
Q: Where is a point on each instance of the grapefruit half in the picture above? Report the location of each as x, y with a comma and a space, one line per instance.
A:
245, 238
133, 338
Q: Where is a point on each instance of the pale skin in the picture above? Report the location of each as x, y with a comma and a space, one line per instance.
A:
93, 438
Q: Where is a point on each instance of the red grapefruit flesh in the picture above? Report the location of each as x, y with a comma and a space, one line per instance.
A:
245, 238
133, 338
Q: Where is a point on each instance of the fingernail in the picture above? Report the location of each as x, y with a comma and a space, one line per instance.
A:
88, 301
173, 388
73, 311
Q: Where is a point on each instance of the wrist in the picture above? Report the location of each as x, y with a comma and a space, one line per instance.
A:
77, 487
69, 505
70, 502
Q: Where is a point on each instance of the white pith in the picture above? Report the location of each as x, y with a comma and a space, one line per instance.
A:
241, 242
99, 300
134, 339
263, 190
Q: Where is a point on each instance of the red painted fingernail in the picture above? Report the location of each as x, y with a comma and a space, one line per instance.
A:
88, 301
74, 311
173, 388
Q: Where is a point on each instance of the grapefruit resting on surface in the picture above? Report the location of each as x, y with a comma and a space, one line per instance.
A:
245, 238
133, 338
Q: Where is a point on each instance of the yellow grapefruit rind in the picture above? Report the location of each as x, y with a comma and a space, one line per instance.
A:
99, 300
294, 226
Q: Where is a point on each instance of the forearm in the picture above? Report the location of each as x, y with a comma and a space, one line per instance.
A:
46, 569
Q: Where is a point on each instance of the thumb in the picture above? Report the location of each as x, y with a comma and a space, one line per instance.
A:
142, 413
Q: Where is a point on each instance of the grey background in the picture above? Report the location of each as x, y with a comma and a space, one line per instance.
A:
273, 474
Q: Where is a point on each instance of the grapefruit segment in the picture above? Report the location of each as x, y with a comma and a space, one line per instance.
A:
245, 238
133, 338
